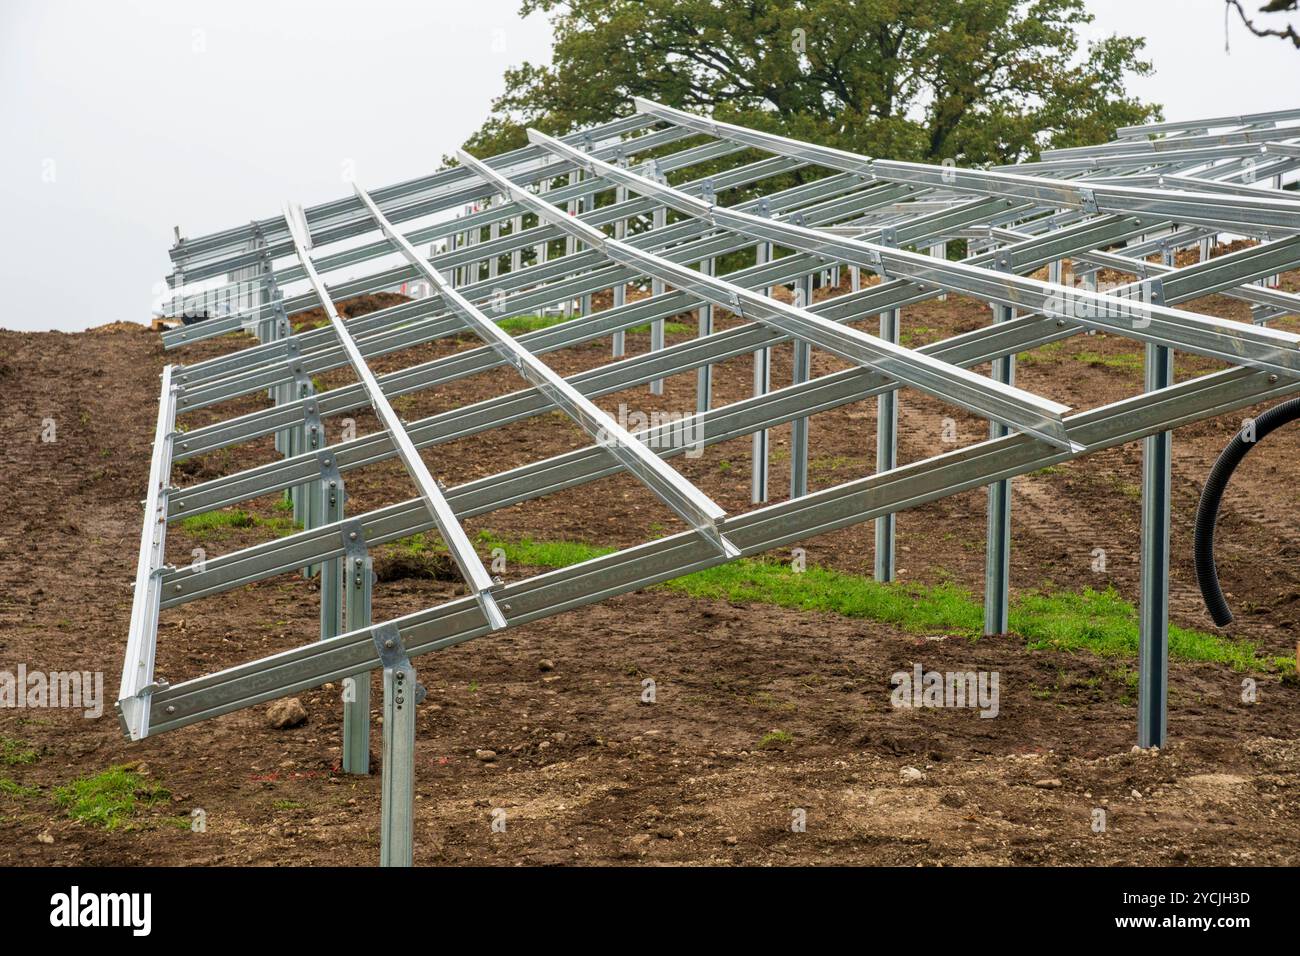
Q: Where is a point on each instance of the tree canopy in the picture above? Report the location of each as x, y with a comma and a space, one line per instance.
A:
977, 81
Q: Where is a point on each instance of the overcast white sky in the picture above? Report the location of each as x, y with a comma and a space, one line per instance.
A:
125, 117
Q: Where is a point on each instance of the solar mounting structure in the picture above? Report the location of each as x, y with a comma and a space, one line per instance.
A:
603, 195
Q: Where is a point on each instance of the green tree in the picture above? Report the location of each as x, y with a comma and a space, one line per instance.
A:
980, 81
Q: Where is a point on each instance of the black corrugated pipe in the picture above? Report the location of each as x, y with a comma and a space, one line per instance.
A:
1207, 513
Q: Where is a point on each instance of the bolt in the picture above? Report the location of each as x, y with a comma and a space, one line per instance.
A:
1272, 379
389, 645
171, 708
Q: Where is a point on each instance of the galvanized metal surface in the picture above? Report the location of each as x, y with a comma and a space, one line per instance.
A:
1155, 194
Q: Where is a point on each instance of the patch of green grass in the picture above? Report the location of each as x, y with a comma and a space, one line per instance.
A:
214, 523
1124, 362
519, 324
210, 521
774, 739
14, 752
1099, 621
11, 788
109, 799
543, 554
287, 805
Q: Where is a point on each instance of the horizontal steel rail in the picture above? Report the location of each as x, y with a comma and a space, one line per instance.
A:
207, 246
142, 635
1175, 126
1244, 214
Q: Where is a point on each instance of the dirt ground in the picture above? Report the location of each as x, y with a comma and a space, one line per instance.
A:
584, 771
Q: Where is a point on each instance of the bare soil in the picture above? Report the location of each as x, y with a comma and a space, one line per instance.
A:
587, 773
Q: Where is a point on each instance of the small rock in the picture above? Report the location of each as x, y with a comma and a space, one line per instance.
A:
546, 664
45, 837
1051, 783
287, 713
1136, 795
729, 840
487, 756
910, 775
640, 839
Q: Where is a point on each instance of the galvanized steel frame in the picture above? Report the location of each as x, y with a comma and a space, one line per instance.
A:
860, 213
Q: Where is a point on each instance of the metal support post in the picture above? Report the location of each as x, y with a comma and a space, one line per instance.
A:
704, 374
802, 362
657, 288
402, 692
1153, 609
358, 582
758, 452
997, 549
940, 251
886, 456
332, 503
620, 290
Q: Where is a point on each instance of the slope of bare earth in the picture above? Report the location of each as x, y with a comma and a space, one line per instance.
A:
584, 771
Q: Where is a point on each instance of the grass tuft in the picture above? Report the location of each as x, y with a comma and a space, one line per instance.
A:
213, 523
11, 788
108, 799
775, 739
14, 752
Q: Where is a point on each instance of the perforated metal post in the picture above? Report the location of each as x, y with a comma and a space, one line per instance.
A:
704, 374
997, 553
758, 451
657, 288
886, 457
358, 581
1153, 605
330, 493
619, 296
802, 361
402, 692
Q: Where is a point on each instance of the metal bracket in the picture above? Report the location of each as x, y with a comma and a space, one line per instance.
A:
353, 533
1154, 290
392, 655
1089, 200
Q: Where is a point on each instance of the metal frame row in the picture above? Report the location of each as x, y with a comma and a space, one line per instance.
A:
804, 213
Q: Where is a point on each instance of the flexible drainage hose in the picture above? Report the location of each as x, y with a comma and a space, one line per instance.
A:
1207, 513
